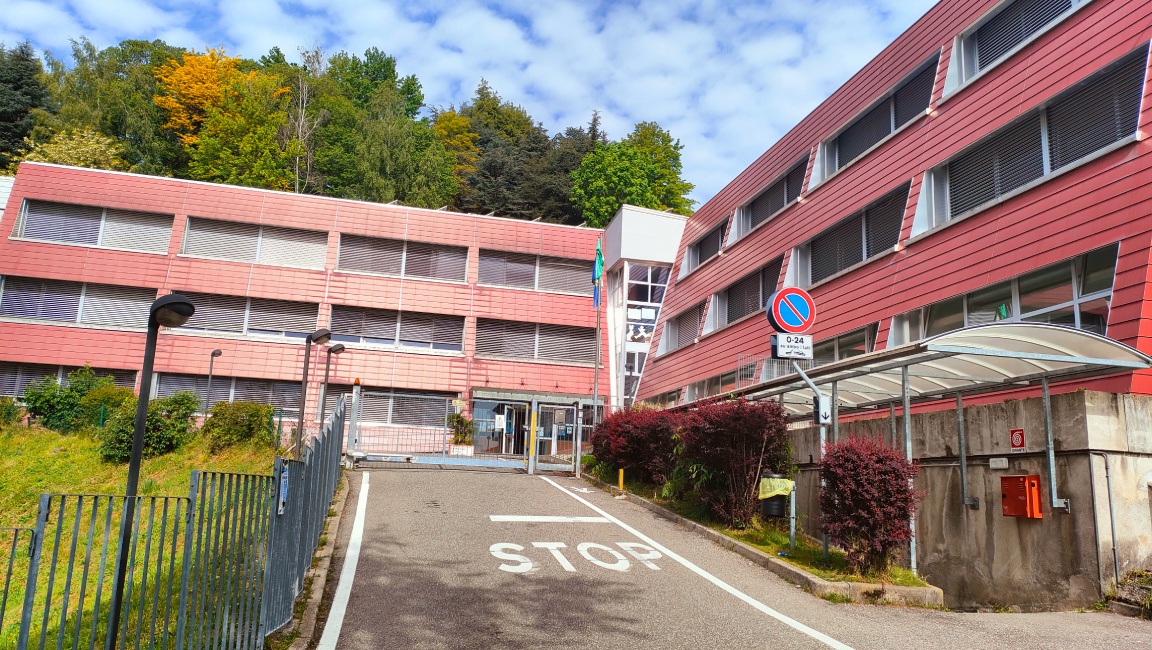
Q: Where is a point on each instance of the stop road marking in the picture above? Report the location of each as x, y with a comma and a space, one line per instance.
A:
600, 555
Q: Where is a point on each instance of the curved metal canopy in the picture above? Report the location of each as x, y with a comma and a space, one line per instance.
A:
979, 359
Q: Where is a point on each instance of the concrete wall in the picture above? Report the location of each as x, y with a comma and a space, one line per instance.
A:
981, 558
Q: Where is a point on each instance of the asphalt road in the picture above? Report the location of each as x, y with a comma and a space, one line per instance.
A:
456, 559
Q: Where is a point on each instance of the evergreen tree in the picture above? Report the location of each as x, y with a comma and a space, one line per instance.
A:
21, 92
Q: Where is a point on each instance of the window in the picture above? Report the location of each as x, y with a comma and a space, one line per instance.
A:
15, 377
387, 406
397, 257
1002, 33
169, 384
75, 302
242, 315
435, 261
682, 329
705, 248
907, 101
521, 270
509, 269
1074, 293
746, 296
284, 396
646, 286
432, 331
873, 231
845, 346
67, 223
255, 244
778, 196
633, 370
1090, 117
545, 342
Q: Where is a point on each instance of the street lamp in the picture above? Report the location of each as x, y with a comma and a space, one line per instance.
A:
172, 310
208, 395
319, 337
334, 349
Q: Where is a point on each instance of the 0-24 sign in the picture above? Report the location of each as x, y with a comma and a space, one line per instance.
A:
791, 346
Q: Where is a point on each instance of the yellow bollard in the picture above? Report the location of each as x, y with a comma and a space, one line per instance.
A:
621, 480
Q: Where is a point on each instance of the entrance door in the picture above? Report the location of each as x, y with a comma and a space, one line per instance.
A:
514, 417
557, 430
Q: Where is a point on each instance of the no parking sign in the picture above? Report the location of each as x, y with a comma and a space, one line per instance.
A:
791, 311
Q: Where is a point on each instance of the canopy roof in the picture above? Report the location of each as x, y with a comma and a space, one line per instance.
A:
979, 359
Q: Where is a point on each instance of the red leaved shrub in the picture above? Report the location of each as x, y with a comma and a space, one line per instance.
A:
867, 500
726, 444
640, 440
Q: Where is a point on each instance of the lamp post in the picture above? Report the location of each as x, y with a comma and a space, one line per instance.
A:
319, 337
333, 349
208, 392
172, 310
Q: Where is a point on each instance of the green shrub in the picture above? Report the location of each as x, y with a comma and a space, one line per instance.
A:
462, 429
58, 406
168, 426
10, 411
98, 405
233, 422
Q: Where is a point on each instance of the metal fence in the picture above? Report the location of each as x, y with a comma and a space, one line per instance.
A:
219, 568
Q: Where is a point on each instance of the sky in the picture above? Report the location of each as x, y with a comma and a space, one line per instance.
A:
727, 78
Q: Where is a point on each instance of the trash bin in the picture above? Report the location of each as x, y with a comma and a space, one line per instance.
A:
776, 506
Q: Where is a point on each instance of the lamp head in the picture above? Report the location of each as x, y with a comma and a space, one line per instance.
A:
216, 353
172, 310
320, 336
336, 349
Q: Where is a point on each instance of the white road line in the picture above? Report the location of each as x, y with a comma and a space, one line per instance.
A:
548, 519
794, 624
347, 574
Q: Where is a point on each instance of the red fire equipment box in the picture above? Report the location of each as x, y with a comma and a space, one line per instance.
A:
1020, 496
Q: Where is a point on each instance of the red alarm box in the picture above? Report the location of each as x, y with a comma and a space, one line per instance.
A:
1020, 496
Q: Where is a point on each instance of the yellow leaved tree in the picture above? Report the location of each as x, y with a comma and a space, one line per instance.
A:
191, 87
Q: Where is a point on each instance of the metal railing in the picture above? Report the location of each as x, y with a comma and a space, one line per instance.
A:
220, 568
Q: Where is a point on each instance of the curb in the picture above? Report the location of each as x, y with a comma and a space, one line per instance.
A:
867, 592
319, 572
1128, 609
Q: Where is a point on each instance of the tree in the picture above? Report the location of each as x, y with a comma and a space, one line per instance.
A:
21, 92
614, 174
80, 148
456, 135
671, 190
547, 182
190, 88
362, 79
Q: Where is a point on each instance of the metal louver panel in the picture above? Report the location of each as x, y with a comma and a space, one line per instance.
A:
770, 277
137, 231
223, 239
448, 332
768, 203
709, 245
62, 222
286, 316
508, 269
505, 338
416, 329
15, 377
216, 312
305, 249
837, 248
378, 325
913, 97
872, 127
1013, 26
566, 275
42, 299
567, 343
688, 326
370, 255
1009, 159
743, 298
1103, 111
106, 304
435, 261
796, 179
883, 220
419, 411
170, 384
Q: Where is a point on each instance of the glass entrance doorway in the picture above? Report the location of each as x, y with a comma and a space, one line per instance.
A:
556, 430
501, 427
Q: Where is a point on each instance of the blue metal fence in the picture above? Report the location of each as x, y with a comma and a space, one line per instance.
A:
219, 568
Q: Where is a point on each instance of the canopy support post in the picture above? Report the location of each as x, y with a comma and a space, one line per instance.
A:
906, 402
1049, 449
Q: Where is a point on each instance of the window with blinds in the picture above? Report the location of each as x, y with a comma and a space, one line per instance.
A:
565, 275
562, 343
558, 274
503, 338
371, 255
505, 269
434, 331
778, 195
435, 261
706, 247
685, 328
281, 395
106, 304
216, 312
749, 294
94, 226
238, 314
363, 325
253, 243
1014, 24
566, 343
1095, 114
170, 384
75, 302
872, 231
15, 377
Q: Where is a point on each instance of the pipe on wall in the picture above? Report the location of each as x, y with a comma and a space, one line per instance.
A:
1111, 513
971, 502
1050, 451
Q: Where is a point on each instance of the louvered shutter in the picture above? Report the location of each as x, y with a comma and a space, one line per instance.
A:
137, 231
688, 326
913, 97
1009, 159
837, 248
425, 260
285, 316
42, 299
121, 378
505, 338
871, 128
347, 321
416, 329
375, 407
743, 298
370, 255
14, 377
1104, 111
374, 325
216, 312
418, 411
332, 397
883, 219
709, 245
448, 333
170, 384
566, 275
768, 203
507, 269
1013, 26
567, 343
769, 278
106, 304
795, 180
222, 239
304, 249
62, 222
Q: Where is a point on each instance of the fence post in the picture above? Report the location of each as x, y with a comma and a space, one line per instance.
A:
186, 560
33, 568
354, 420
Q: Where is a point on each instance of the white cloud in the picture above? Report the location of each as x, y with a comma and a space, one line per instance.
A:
726, 78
